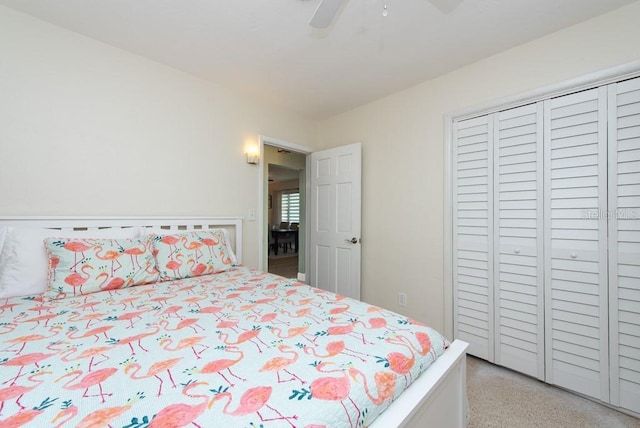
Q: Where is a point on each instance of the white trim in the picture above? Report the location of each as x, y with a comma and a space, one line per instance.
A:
275, 142
307, 216
448, 233
453, 184
449, 311
610, 75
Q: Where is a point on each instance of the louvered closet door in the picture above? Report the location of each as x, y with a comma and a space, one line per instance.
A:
473, 236
576, 302
519, 272
624, 242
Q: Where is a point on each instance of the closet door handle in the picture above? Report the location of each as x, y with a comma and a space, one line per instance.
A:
574, 255
517, 251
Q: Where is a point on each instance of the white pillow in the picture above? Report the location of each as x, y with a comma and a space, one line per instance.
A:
23, 258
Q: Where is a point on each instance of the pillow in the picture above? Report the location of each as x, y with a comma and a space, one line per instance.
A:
227, 241
185, 255
23, 259
84, 266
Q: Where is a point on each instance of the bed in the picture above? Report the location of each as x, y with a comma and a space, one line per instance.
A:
193, 343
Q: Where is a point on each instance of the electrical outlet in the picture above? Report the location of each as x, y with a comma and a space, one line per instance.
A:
402, 299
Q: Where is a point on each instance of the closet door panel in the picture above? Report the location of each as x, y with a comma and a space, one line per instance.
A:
518, 297
473, 231
576, 317
624, 235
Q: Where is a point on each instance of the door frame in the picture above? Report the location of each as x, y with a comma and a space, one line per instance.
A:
262, 207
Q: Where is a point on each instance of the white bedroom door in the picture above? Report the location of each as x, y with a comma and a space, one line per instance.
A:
335, 205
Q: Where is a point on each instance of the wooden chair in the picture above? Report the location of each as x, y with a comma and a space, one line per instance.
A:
289, 240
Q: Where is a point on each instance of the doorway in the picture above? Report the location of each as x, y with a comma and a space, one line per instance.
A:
341, 169
285, 211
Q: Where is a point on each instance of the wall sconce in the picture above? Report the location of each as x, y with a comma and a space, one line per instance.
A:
253, 156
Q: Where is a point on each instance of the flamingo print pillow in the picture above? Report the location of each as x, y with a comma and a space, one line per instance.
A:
23, 258
84, 266
185, 255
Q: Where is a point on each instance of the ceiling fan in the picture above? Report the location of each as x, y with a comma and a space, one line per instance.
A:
327, 10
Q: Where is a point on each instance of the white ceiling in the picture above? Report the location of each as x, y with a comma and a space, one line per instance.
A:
266, 49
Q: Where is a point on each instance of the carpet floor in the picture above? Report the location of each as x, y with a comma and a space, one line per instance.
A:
499, 397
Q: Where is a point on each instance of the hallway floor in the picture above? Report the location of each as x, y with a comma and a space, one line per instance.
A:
284, 265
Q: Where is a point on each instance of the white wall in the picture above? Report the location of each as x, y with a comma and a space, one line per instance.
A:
89, 129
403, 167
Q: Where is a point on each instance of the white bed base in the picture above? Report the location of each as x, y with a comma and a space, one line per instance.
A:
436, 398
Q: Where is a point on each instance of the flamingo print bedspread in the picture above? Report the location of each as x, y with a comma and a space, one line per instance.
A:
237, 349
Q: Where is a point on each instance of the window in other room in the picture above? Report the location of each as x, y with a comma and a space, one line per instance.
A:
290, 206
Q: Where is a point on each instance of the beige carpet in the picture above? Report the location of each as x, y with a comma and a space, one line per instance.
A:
501, 398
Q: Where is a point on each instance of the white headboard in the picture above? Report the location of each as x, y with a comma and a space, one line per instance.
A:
232, 224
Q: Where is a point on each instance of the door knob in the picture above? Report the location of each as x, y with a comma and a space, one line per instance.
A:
353, 240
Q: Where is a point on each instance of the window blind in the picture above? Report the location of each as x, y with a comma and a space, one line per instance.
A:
290, 206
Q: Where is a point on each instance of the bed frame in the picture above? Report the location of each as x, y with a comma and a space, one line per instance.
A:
436, 398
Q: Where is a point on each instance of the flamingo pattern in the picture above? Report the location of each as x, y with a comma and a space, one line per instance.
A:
100, 267
239, 347
181, 255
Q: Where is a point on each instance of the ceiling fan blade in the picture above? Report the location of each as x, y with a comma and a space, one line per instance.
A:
446, 6
325, 13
